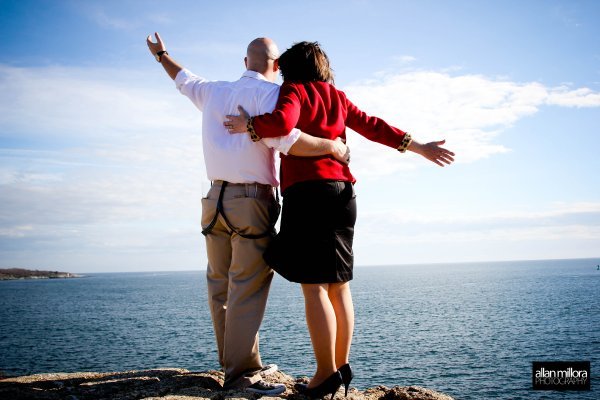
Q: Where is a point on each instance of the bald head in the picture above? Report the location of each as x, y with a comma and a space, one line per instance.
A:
261, 56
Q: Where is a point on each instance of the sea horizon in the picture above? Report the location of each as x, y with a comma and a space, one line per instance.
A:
355, 266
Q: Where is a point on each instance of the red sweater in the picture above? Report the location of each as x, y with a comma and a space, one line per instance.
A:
319, 109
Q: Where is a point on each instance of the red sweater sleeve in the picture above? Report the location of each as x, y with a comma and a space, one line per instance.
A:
283, 118
372, 128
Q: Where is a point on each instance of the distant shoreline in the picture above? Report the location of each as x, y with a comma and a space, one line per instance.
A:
10, 274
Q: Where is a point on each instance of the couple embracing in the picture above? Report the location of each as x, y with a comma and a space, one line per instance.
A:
305, 120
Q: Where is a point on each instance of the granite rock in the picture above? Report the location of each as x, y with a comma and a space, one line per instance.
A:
173, 384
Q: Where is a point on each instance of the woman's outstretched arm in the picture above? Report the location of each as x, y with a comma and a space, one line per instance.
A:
377, 130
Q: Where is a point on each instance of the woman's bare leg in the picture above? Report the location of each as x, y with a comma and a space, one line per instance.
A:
322, 326
341, 300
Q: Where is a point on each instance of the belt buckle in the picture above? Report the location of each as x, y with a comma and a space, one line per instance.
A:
248, 187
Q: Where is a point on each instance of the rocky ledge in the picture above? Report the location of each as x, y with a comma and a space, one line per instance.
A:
173, 384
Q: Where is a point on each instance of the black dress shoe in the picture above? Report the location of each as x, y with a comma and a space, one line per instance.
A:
329, 385
347, 376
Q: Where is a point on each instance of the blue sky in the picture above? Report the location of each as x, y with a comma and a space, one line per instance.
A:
101, 160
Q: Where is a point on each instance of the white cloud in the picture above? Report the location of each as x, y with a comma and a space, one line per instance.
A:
551, 212
561, 230
563, 96
117, 163
17, 231
470, 111
521, 234
560, 220
90, 103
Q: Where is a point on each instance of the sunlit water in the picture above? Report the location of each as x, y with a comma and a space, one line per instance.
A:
469, 330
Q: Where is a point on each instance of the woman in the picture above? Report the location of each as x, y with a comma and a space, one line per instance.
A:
314, 246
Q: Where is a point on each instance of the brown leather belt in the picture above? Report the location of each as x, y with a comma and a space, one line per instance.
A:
269, 232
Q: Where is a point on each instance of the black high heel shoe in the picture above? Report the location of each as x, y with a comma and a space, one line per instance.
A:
329, 385
347, 375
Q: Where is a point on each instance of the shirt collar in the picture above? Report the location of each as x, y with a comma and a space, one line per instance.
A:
254, 75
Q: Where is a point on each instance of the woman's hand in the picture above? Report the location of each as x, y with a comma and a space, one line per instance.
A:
433, 152
237, 123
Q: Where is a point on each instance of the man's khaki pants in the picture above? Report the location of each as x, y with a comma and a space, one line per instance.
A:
237, 276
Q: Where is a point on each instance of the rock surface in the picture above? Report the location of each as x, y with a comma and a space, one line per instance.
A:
172, 384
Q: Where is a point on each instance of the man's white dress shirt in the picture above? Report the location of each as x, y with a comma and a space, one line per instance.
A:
235, 157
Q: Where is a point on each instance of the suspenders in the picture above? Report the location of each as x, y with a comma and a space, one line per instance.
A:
269, 232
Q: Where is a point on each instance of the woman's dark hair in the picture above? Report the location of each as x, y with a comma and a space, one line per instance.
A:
306, 62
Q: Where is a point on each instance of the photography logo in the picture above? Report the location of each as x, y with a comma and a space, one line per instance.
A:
561, 375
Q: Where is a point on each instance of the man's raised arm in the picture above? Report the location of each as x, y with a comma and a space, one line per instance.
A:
159, 51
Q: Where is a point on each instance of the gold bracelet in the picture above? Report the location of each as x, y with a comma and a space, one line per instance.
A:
250, 128
405, 143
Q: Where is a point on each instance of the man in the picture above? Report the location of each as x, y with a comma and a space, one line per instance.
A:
240, 209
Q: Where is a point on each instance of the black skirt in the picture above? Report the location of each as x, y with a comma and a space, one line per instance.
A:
314, 244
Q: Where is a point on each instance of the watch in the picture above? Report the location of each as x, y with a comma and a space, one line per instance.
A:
159, 55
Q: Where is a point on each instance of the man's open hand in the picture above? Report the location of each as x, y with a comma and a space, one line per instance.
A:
155, 47
341, 151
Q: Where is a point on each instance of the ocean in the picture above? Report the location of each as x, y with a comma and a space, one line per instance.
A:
470, 330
